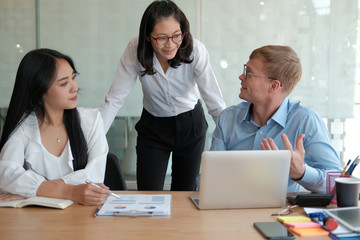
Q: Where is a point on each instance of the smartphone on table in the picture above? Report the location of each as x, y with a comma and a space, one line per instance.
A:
273, 230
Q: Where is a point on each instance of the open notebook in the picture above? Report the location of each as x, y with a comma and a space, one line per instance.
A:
38, 201
243, 179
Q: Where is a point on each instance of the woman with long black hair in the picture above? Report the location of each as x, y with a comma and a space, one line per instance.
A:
49, 147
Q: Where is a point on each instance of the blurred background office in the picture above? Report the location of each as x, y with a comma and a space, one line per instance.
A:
324, 33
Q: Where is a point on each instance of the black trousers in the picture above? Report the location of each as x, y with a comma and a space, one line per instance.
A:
183, 136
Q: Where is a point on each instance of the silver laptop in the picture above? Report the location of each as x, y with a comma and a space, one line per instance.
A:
243, 179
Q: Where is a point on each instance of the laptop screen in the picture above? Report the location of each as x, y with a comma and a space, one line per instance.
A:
244, 179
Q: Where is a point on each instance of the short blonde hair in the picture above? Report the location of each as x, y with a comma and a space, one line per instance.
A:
282, 63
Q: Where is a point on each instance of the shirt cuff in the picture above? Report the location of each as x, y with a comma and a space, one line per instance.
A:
312, 181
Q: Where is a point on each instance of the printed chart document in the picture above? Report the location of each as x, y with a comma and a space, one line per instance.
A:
136, 205
38, 201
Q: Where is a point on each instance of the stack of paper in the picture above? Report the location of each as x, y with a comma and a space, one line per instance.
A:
292, 219
302, 226
309, 231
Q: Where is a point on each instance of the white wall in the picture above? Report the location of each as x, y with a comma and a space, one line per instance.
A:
95, 33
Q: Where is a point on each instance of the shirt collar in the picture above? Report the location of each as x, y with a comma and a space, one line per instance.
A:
31, 127
246, 111
157, 66
280, 115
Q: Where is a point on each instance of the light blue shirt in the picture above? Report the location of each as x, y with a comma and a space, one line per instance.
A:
236, 131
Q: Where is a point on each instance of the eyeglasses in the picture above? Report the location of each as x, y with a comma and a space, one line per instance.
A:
245, 72
177, 38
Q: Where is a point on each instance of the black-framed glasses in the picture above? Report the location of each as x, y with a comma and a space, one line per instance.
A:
245, 72
161, 41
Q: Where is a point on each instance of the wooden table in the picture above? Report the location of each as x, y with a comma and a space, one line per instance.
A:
186, 222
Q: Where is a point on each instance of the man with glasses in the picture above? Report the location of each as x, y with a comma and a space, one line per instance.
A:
268, 120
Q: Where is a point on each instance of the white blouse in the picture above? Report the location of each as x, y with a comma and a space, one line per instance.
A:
165, 94
25, 163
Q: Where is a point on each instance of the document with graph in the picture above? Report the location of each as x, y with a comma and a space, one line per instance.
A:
136, 205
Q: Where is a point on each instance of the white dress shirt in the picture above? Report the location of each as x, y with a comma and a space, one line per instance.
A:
25, 163
165, 94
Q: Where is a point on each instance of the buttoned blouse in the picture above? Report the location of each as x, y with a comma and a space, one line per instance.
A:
25, 163
165, 94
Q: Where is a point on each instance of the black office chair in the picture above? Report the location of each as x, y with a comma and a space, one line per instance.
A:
114, 178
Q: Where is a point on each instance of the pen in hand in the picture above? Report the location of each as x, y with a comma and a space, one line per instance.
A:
94, 184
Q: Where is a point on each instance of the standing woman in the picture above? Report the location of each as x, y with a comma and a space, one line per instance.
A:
174, 69
49, 147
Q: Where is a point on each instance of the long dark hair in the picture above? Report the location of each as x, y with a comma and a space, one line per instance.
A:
155, 11
33, 79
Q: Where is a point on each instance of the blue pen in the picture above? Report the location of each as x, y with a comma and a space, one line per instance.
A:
352, 166
356, 162
318, 215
